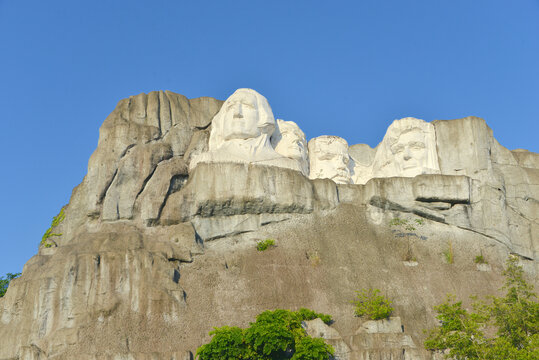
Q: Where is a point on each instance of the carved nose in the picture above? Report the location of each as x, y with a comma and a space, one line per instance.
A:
406, 155
237, 111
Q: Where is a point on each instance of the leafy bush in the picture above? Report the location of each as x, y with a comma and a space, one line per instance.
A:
310, 349
4, 282
372, 305
264, 245
274, 335
307, 314
226, 343
505, 328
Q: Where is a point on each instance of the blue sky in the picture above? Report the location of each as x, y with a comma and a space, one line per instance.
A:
345, 68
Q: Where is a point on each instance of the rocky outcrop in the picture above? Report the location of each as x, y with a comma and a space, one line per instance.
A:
142, 131
155, 250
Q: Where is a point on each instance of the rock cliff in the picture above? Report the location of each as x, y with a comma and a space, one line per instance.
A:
158, 241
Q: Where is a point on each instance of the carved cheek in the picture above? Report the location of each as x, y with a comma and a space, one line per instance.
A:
418, 154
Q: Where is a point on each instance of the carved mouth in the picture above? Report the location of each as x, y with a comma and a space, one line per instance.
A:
409, 166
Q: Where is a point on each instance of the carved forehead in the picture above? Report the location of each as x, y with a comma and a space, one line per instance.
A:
290, 127
408, 128
243, 96
408, 124
329, 144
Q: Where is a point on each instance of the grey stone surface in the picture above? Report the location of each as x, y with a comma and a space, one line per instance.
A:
153, 255
226, 189
162, 117
134, 171
392, 325
318, 329
169, 177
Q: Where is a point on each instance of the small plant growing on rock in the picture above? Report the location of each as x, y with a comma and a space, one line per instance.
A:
405, 228
480, 259
448, 253
314, 258
265, 244
46, 239
371, 304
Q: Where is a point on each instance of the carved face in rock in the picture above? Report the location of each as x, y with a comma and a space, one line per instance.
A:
329, 159
240, 133
245, 115
241, 117
410, 152
289, 141
408, 149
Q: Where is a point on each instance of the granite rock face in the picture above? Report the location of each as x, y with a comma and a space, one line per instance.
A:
158, 242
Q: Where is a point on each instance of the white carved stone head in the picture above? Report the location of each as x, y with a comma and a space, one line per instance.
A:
241, 133
408, 149
289, 141
329, 159
244, 115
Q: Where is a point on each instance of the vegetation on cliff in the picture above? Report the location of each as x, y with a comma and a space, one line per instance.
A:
274, 335
503, 328
46, 239
4, 282
370, 304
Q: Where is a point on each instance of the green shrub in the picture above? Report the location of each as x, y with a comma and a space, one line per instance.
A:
264, 245
307, 314
274, 335
372, 305
4, 282
311, 349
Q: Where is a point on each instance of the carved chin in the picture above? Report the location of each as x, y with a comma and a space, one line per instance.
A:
411, 171
241, 134
340, 179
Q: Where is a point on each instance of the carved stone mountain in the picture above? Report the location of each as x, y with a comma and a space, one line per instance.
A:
158, 241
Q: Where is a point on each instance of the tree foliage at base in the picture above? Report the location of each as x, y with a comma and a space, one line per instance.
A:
504, 328
275, 335
4, 282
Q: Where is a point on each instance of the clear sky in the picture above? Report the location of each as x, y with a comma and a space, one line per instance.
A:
346, 68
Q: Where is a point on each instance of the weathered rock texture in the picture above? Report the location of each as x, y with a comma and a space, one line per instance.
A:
153, 255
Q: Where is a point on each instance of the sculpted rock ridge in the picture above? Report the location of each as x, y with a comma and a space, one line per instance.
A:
157, 242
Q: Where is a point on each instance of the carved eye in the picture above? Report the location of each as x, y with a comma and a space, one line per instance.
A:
326, 157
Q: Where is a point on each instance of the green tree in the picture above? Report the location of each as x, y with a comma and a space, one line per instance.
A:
275, 335
227, 344
504, 328
4, 282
